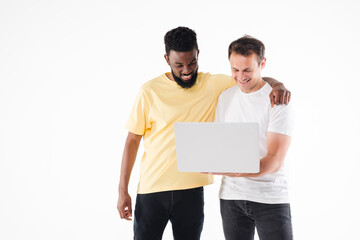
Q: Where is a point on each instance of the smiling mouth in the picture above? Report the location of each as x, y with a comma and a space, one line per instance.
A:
243, 82
186, 77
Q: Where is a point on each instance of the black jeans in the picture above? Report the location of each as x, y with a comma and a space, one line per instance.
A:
184, 208
240, 217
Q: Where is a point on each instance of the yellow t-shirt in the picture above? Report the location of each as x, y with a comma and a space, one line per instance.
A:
159, 104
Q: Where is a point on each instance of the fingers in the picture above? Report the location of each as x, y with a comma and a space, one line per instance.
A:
125, 210
282, 98
288, 97
224, 174
128, 214
279, 97
285, 99
272, 100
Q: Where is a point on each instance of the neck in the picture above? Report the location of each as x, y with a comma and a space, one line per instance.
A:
170, 76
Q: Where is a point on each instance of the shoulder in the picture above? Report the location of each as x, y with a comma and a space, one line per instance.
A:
147, 90
152, 83
218, 82
153, 86
282, 119
216, 78
221, 79
281, 109
266, 88
228, 93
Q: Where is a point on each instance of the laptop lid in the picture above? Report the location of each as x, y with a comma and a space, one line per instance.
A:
217, 147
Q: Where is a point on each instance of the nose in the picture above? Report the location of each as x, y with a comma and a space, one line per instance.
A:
242, 76
186, 70
238, 76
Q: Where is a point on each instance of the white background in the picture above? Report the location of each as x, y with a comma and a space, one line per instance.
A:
70, 71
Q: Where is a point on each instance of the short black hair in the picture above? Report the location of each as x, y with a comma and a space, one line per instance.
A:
246, 46
180, 39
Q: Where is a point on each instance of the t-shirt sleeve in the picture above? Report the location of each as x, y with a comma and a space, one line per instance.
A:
138, 120
223, 82
281, 120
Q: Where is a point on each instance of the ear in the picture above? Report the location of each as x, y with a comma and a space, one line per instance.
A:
167, 59
262, 64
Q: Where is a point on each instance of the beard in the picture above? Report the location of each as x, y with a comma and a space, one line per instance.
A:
185, 84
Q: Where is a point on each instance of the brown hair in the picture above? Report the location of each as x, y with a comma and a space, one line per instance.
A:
246, 46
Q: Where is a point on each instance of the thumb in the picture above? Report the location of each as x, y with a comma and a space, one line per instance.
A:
129, 208
272, 101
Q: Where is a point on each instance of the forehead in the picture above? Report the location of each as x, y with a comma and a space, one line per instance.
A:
243, 61
183, 57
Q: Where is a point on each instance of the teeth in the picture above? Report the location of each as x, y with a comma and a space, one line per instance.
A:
243, 82
186, 77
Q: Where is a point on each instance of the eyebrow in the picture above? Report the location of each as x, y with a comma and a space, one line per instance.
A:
194, 60
239, 69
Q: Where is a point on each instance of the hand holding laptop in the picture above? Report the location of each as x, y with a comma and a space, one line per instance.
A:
226, 174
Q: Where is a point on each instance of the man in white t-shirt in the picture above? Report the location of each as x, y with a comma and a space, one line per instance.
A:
260, 200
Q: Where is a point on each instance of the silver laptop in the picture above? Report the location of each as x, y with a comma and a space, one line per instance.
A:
217, 147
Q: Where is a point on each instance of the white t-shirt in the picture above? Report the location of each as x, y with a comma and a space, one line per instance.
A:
236, 106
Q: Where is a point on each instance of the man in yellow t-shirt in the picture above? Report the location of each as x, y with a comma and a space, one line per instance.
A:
182, 95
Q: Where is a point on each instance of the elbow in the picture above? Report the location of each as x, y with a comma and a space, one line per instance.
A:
277, 164
274, 167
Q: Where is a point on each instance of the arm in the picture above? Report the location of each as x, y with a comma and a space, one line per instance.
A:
277, 146
279, 94
129, 156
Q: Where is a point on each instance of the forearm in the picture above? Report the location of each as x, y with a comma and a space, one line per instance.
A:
268, 164
277, 146
271, 81
128, 160
126, 169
